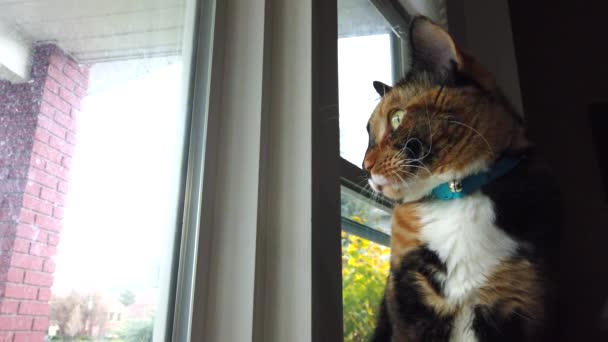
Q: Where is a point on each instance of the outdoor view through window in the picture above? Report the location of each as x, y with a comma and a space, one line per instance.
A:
92, 131
365, 55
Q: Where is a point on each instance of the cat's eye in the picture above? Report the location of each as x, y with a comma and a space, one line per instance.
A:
396, 118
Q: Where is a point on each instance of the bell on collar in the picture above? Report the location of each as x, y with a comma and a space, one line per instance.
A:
455, 186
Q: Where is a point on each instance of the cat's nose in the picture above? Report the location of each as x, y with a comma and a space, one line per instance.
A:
369, 161
368, 164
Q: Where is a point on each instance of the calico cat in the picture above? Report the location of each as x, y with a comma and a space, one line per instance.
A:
451, 151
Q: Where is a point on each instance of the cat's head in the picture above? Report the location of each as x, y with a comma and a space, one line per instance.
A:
445, 120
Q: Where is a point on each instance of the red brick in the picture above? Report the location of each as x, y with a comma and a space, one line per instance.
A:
15, 323
48, 223
49, 266
70, 137
61, 145
37, 162
41, 324
62, 187
8, 214
43, 250
52, 195
82, 68
44, 151
50, 125
6, 336
42, 135
25, 231
13, 275
57, 170
42, 178
8, 186
41, 235
47, 110
80, 92
32, 189
37, 205
62, 79
65, 120
33, 308
52, 86
7, 229
44, 294
30, 262
20, 292
70, 98
8, 306
57, 60
66, 162
56, 102
26, 216
29, 337
40, 279
21, 245
76, 75
53, 239
11, 201
58, 212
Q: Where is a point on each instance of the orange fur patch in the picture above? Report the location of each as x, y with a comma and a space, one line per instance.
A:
405, 231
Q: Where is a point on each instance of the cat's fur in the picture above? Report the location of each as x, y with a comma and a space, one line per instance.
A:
464, 269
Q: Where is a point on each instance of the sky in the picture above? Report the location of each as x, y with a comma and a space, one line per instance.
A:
361, 61
121, 206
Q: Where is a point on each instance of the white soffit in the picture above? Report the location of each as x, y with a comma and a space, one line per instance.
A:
15, 56
99, 30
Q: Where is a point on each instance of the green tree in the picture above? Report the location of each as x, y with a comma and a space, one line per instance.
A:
127, 297
139, 331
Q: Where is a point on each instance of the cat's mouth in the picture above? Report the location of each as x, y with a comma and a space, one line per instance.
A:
390, 188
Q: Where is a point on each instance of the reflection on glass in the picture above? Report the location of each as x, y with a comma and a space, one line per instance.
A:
363, 210
92, 125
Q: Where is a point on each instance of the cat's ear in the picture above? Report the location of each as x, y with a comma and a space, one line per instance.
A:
381, 88
433, 49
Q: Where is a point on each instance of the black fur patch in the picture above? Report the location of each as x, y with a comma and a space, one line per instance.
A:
419, 320
489, 326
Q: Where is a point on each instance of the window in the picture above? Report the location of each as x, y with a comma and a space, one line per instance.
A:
94, 113
371, 47
368, 51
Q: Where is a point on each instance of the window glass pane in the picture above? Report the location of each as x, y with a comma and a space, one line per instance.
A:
365, 262
365, 266
363, 210
364, 56
92, 130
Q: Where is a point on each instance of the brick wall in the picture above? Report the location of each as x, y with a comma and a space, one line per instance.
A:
37, 135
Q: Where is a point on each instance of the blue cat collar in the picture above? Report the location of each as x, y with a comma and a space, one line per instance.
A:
461, 188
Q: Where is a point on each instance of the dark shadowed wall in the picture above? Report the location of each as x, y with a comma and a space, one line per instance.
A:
555, 56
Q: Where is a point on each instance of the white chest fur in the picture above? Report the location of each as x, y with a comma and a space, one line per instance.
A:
463, 234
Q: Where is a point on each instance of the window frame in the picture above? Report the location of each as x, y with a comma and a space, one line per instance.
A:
351, 175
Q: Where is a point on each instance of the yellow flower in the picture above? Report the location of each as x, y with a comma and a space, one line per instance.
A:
351, 248
358, 219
